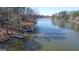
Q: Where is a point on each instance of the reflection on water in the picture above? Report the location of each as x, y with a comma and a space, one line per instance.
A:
66, 25
73, 26
62, 35
50, 35
20, 45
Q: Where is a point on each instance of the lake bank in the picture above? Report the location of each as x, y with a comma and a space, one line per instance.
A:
48, 37
73, 21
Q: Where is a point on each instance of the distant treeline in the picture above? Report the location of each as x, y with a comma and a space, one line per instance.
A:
67, 15
42, 16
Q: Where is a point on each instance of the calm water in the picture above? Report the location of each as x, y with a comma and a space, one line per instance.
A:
57, 35
50, 35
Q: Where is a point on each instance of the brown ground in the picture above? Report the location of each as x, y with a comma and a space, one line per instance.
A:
5, 35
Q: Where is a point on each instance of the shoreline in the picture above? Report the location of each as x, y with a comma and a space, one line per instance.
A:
73, 21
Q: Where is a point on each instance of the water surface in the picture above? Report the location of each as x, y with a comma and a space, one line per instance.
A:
50, 35
57, 35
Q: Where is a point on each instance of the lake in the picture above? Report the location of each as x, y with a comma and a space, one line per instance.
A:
49, 35
57, 35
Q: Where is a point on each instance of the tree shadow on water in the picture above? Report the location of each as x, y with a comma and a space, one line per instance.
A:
26, 44
32, 45
49, 38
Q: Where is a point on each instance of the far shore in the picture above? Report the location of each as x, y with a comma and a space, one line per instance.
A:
73, 21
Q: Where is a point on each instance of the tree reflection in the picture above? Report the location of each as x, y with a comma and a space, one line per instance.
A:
32, 45
74, 26
28, 43
65, 24
23, 44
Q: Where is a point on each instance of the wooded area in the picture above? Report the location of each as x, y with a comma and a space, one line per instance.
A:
67, 15
13, 20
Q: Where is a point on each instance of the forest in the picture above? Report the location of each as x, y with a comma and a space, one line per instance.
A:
71, 16
16, 20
